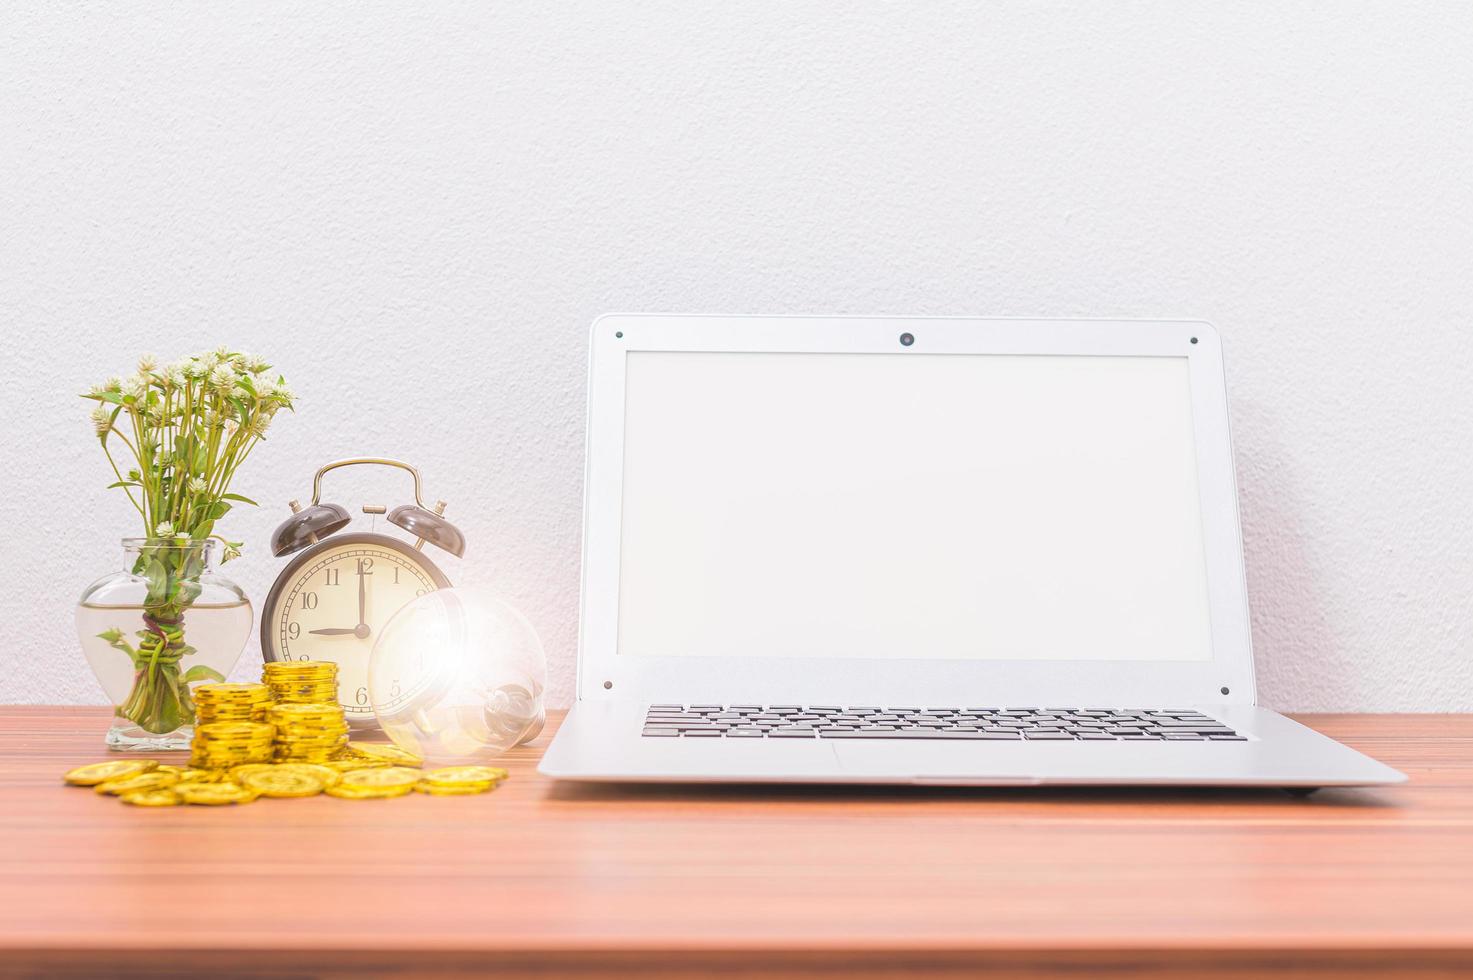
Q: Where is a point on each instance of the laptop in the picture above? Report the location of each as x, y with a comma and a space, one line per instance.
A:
934, 551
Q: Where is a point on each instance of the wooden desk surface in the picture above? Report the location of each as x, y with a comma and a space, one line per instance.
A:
663, 881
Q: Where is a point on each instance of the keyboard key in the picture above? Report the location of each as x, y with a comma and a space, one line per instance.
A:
791, 733
701, 733
661, 733
744, 733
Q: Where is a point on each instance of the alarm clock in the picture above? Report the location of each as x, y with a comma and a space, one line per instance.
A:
340, 590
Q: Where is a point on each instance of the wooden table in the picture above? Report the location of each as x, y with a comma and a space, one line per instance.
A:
562, 879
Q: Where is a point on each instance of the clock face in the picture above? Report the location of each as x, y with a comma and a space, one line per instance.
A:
333, 601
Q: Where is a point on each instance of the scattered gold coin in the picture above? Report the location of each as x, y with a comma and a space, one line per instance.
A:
286, 785
101, 772
192, 775
152, 797
345, 792
213, 794
375, 751
391, 776
142, 781
327, 774
348, 765
464, 775
468, 789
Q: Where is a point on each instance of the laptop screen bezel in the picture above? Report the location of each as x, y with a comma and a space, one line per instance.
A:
604, 674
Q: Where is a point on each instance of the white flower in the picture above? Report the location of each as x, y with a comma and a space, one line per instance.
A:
135, 387
282, 392
254, 363
196, 367
147, 364
231, 427
114, 383
164, 530
260, 424
232, 551
212, 418
197, 484
222, 378
176, 374
102, 420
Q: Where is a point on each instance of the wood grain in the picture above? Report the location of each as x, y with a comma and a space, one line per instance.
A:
540, 877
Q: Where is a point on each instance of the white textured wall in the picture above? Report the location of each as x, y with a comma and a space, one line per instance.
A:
417, 212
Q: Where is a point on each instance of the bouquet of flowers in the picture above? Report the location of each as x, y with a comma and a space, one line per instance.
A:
175, 436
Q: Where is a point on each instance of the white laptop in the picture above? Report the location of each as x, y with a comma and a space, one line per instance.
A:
918, 550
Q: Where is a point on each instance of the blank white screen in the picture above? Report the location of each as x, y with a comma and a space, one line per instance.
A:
911, 505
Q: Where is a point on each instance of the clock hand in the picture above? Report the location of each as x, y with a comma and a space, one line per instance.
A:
362, 602
332, 632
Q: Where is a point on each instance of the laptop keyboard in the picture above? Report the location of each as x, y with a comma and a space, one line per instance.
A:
948, 724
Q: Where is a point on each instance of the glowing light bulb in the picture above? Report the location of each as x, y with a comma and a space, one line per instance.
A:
457, 676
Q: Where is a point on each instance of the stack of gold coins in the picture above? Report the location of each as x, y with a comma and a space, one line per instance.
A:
231, 702
308, 732
302, 681
223, 744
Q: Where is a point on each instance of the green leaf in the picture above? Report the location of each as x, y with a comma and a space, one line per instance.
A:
158, 579
108, 396
217, 510
199, 672
236, 496
114, 638
123, 483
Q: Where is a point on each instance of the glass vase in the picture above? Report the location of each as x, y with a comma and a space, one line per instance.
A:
165, 621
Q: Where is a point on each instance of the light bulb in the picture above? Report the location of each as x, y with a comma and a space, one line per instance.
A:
457, 677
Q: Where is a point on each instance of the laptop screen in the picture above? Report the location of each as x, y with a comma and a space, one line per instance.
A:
910, 505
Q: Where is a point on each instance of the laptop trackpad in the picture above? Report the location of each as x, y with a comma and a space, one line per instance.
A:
937, 763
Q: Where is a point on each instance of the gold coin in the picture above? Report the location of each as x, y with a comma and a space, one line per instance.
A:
213, 794
467, 789
152, 797
307, 711
194, 775
343, 792
284, 785
241, 771
327, 775
389, 753
142, 781
232, 731
231, 692
164, 767
459, 775
348, 765
101, 772
389, 776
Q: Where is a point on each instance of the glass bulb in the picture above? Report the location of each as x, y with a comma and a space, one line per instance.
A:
457, 677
